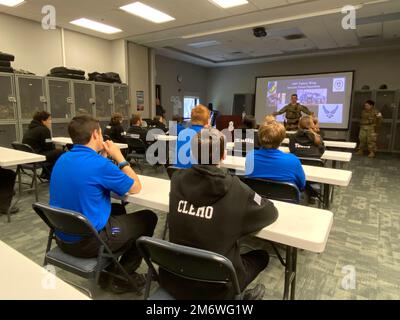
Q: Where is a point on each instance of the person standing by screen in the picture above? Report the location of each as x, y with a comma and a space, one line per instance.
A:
293, 113
369, 125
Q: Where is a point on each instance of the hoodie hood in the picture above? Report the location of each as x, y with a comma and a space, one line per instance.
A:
35, 124
206, 184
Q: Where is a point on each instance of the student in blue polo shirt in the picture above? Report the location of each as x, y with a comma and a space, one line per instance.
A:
271, 163
82, 180
200, 118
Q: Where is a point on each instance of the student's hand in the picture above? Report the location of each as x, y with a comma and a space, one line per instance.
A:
113, 151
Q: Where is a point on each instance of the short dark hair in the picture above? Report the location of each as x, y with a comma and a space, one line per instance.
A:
210, 142
135, 118
370, 102
41, 116
294, 95
271, 134
81, 128
249, 122
157, 119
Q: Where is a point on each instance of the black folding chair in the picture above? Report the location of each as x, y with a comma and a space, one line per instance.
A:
286, 192
317, 188
137, 149
32, 167
74, 223
186, 262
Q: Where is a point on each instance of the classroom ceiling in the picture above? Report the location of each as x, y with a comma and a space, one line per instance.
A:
211, 36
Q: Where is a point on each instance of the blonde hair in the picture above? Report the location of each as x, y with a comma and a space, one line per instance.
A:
200, 115
306, 122
271, 135
269, 119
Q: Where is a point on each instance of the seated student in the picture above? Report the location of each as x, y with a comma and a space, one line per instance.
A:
306, 143
246, 138
179, 124
38, 137
271, 163
158, 122
233, 211
137, 130
200, 117
82, 181
115, 130
7, 182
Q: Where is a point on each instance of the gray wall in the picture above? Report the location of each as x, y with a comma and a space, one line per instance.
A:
194, 81
372, 68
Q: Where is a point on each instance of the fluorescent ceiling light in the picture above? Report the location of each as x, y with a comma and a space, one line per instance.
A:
146, 12
204, 44
96, 26
229, 3
11, 3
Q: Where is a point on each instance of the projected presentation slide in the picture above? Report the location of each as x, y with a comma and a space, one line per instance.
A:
327, 95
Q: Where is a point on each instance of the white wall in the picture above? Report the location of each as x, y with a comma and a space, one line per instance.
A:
39, 50
194, 82
371, 68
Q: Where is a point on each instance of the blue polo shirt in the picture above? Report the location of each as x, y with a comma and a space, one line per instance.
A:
183, 147
82, 181
275, 165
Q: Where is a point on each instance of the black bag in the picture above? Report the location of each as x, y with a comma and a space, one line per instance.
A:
63, 70
67, 76
4, 63
109, 77
6, 56
6, 69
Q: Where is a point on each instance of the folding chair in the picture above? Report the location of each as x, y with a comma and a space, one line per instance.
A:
137, 148
186, 262
74, 223
33, 167
320, 190
286, 192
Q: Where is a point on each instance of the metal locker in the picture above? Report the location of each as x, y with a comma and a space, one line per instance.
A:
104, 101
60, 98
121, 100
31, 95
83, 98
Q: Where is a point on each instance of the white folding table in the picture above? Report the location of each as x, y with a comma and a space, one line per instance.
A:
297, 227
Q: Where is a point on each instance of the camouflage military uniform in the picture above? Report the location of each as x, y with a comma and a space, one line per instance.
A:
370, 121
293, 115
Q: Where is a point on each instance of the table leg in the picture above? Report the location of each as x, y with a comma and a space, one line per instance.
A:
35, 183
326, 196
294, 273
290, 274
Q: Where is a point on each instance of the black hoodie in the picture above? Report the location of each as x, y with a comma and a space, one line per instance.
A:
212, 210
302, 145
38, 137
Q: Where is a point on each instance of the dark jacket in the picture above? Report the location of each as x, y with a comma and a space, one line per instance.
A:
211, 210
302, 145
137, 130
115, 132
38, 137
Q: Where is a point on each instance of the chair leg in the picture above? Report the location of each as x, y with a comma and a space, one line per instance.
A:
35, 183
149, 278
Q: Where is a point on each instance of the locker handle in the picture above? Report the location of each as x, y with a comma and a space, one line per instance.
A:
12, 99
110, 102
70, 100
43, 99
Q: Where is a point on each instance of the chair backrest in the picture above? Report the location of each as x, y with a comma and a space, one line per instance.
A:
22, 147
316, 162
275, 190
66, 221
189, 263
106, 137
171, 170
134, 142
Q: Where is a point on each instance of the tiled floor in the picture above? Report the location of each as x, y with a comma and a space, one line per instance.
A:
365, 238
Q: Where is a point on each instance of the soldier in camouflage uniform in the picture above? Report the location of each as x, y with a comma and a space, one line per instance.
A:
293, 113
369, 125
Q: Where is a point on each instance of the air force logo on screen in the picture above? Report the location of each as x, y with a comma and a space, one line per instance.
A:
339, 84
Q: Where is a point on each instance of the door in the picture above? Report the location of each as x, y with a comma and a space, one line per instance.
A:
104, 101
83, 98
